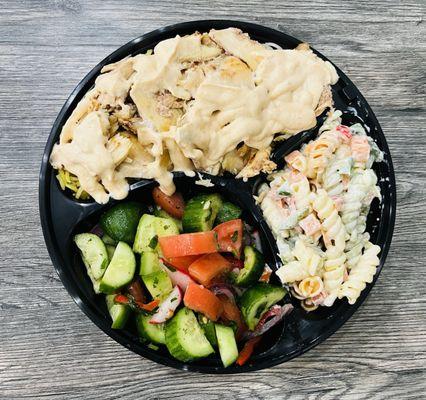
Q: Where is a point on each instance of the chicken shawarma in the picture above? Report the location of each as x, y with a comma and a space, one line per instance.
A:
210, 102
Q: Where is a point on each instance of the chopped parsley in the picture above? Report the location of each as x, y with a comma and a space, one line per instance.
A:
153, 242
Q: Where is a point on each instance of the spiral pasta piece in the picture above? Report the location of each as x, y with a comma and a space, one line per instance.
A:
297, 161
354, 247
320, 151
361, 274
336, 233
310, 286
307, 263
336, 175
330, 219
360, 150
359, 187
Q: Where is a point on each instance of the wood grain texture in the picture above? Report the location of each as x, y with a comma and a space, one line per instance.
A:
49, 349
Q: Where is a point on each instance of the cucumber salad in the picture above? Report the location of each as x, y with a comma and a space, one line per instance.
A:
190, 275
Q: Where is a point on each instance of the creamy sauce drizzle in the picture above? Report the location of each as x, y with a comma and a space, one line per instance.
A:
198, 97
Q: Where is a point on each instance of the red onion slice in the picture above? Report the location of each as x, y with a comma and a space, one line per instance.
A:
224, 289
97, 230
256, 240
274, 315
235, 262
179, 278
167, 307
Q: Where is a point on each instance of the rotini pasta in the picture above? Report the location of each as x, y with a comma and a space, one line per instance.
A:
307, 262
360, 186
317, 208
320, 151
361, 274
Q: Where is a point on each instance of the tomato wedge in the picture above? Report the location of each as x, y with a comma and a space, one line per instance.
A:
247, 350
208, 267
173, 205
181, 263
231, 313
188, 244
230, 236
202, 300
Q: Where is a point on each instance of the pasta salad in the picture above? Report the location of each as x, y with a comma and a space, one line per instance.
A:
317, 208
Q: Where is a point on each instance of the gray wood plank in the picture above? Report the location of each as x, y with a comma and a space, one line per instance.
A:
50, 349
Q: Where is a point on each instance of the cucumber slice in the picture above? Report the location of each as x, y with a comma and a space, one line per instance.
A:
108, 240
119, 312
159, 284
165, 227
228, 212
208, 328
200, 213
95, 282
228, 349
149, 263
256, 300
110, 250
254, 264
150, 332
120, 221
120, 270
150, 228
159, 212
93, 253
185, 339
145, 234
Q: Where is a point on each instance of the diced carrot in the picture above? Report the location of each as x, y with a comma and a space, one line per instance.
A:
230, 236
247, 350
181, 263
208, 267
173, 205
202, 300
188, 244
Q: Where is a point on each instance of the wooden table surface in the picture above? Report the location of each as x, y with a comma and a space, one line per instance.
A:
48, 348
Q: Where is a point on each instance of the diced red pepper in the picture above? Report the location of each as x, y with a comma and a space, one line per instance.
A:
121, 299
247, 350
148, 306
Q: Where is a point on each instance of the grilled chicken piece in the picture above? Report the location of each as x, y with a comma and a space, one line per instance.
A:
119, 147
259, 162
239, 44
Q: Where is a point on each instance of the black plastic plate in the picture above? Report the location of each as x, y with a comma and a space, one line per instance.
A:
62, 216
